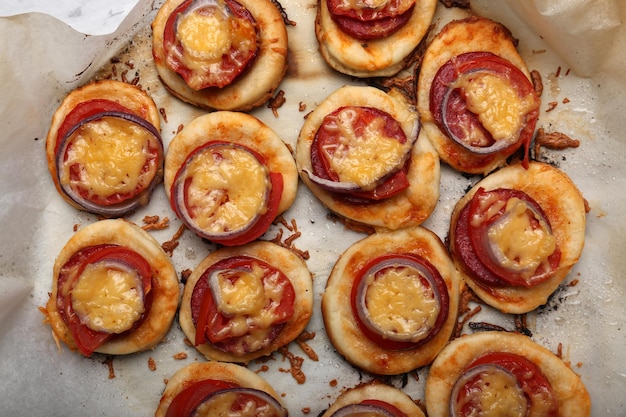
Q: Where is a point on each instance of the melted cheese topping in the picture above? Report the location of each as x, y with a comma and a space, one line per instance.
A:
228, 189
520, 240
250, 301
496, 102
362, 158
399, 302
205, 36
111, 153
498, 395
221, 404
108, 297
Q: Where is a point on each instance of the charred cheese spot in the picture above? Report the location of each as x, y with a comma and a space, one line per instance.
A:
227, 190
111, 153
398, 302
108, 297
365, 157
496, 102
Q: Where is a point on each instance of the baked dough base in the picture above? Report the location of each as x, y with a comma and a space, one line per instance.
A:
196, 372
128, 95
410, 207
165, 289
564, 207
238, 128
373, 58
340, 323
457, 37
249, 91
573, 397
289, 263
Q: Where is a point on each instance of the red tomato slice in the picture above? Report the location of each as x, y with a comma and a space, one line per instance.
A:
444, 300
211, 324
533, 383
234, 64
385, 406
389, 186
88, 340
452, 115
189, 399
473, 244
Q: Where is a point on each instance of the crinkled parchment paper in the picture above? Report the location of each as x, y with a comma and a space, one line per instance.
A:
577, 46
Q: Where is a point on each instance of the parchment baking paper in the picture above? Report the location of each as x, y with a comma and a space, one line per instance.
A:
42, 59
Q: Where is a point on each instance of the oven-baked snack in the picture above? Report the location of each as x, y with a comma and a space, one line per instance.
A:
517, 233
361, 154
220, 387
373, 399
228, 175
241, 303
220, 54
503, 371
114, 290
371, 38
475, 96
104, 148
391, 301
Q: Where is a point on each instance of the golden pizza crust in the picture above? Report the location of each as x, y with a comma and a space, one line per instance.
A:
128, 95
564, 207
249, 91
471, 34
410, 207
281, 258
341, 325
197, 372
572, 395
165, 289
237, 128
372, 58
376, 391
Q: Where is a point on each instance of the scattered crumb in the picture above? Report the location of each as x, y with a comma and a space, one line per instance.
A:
151, 364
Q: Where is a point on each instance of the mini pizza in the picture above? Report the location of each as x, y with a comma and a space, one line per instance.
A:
114, 290
499, 373
391, 301
104, 148
218, 389
360, 153
476, 99
243, 303
220, 54
376, 400
228, 176
371, 38
516, 235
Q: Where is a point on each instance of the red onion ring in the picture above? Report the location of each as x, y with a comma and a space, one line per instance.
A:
128, 205
351, 410
275, 406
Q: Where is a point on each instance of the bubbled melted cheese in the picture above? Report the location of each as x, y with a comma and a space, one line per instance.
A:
499, 107
498, 394
366, 158
111, 154
108, 297
228, 189
250, 301
204, 36
518, 242
399, 303
222, 405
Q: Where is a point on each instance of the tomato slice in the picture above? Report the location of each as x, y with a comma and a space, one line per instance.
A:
370, 23
451, 113
473, 246
213, 326
535, 386
88, 340
188, 400
441, 290
233, 64
325, 140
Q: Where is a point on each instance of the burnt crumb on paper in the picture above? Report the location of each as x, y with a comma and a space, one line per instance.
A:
170, 245
276, 102
155, 223
296, 365
288, 242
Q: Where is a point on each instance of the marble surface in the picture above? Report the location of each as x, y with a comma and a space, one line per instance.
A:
93, 17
